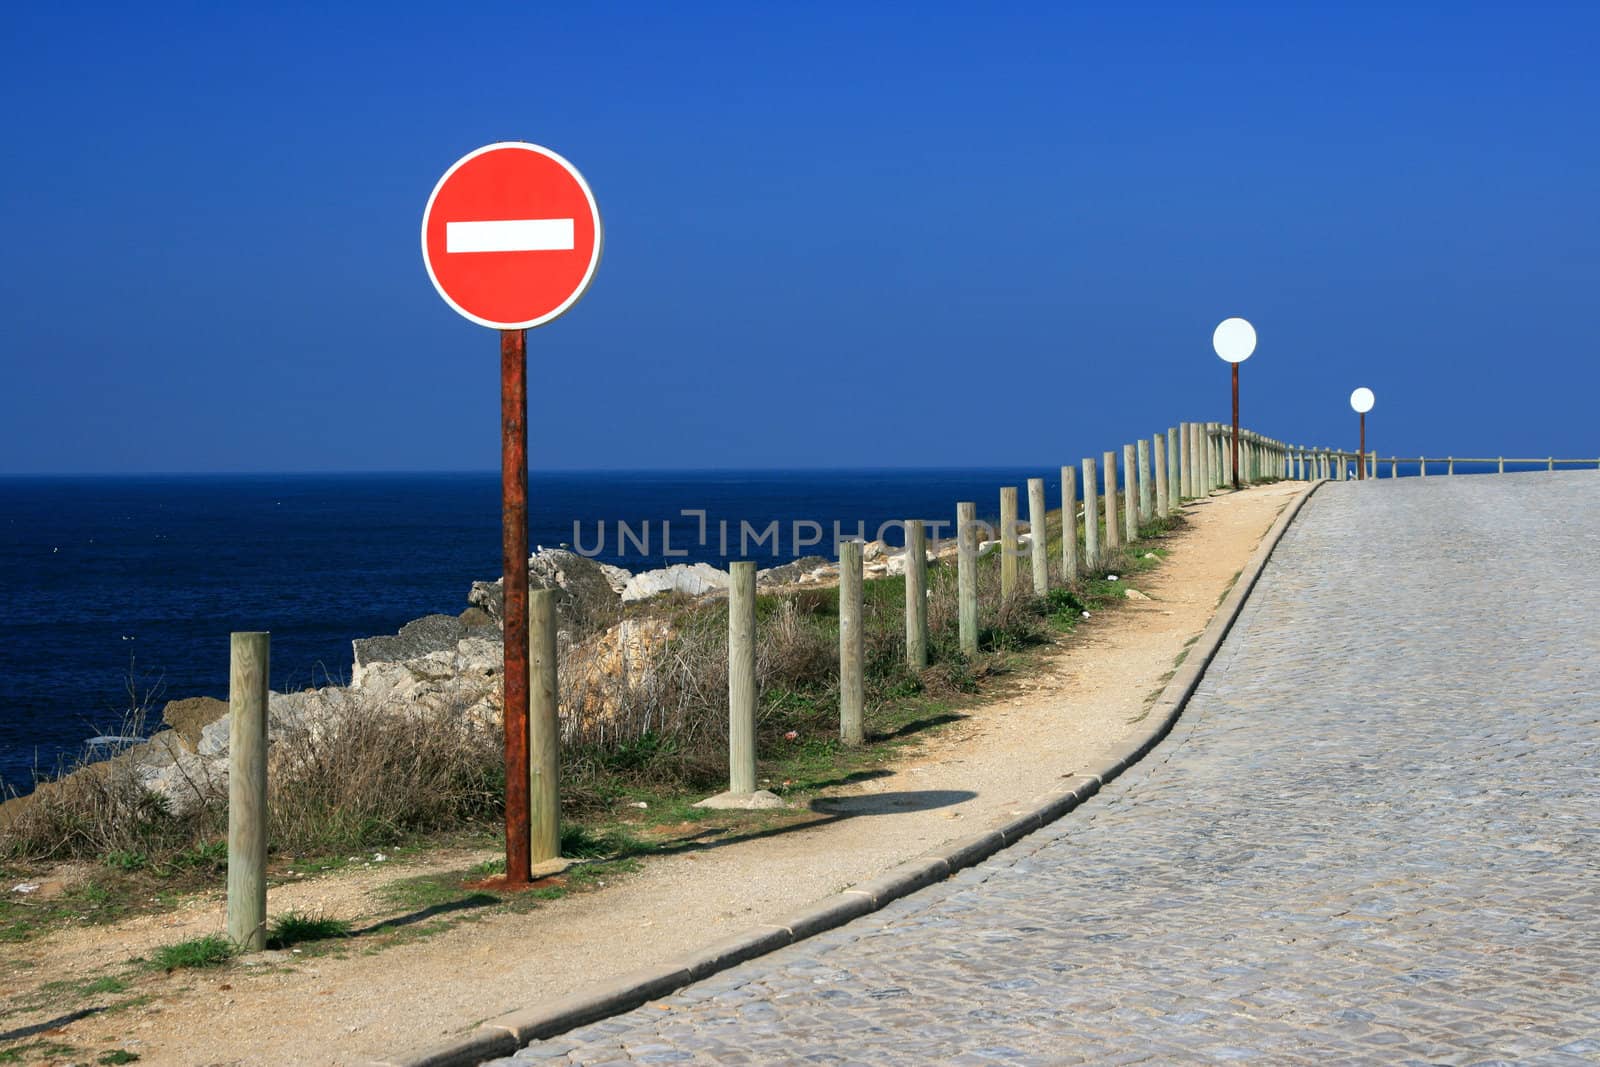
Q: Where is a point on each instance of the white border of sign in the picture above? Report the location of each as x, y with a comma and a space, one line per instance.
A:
594, 211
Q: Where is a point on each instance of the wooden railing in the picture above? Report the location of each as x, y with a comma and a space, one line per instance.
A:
1312, 463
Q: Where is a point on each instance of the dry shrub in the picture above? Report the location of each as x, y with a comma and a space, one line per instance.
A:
96, 810
371, 775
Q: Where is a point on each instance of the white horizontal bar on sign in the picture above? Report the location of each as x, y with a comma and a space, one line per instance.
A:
509, 235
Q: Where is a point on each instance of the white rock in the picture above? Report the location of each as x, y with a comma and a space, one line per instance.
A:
695, 579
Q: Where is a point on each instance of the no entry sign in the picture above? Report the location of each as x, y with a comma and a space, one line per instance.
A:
511, 235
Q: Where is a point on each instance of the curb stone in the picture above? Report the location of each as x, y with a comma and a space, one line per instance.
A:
502, 1036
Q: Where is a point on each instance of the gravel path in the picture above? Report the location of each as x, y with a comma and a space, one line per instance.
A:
1372, 838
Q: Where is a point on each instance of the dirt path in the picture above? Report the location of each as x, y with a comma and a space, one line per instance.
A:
351, 1007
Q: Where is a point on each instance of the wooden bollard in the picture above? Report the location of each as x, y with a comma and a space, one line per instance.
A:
1069, 524
967, 576
1113, 530
544, 729
1008, 541
250, 658
1147, 485
916, 594
1091, 516
1185, 461
1130, 495
1159, 444
852, 645
1038, 543
1174, 469
742, 677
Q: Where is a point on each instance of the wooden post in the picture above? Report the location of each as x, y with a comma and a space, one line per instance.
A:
1212, 460
544, 729
1159, 441
1091, 517
1008, 541
852, 646
916, 594
1113, 529
1069, 524
1130, 495
967, 576
1185, 460
1038, 542
742, 677
1174, 469
1147, 485
250, 657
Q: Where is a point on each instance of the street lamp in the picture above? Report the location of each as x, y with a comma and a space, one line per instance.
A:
1234, 339
1362, 400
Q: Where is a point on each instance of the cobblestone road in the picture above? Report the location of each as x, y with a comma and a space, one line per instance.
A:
1371, 838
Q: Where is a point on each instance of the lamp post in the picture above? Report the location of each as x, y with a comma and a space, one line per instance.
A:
1234, 339
1362, 400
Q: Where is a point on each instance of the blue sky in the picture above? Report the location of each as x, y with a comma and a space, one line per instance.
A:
834, 236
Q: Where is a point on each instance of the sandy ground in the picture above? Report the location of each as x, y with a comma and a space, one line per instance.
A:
354, 1006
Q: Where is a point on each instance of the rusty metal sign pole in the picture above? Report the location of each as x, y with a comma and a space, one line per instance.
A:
514, 609
1361, 463
1236, 425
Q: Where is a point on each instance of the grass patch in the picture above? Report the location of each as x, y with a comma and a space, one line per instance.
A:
297, 928
212, 950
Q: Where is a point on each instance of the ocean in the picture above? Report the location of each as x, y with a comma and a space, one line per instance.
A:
121, 591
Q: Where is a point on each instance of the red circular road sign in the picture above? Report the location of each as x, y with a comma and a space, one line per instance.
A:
511, 235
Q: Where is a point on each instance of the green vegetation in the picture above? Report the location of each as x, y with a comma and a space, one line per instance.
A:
296, 928
212, 950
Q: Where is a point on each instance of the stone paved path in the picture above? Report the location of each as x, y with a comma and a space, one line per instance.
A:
1372, 838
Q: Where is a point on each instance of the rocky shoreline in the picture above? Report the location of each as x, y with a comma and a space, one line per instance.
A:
451, 663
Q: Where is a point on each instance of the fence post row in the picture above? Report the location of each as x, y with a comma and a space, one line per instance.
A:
916, 594
249, 663
967, 576
852, 688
